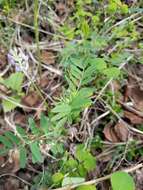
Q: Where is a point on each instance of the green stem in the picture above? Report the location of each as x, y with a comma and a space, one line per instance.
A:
36, 26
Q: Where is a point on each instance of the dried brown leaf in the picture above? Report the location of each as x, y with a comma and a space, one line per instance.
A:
47, 57
31, 100
110, 133
134, 119
121, 131
116, 133
134, 90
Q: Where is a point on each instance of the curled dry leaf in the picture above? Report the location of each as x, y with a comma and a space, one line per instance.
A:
122, 131
117, 133
47, 57
134, 119
110, 133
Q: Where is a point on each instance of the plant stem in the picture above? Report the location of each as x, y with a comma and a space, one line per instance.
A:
36, 26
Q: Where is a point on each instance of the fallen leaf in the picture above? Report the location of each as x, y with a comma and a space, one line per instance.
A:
117, 133
134, 90
121, 131
136, 95
47, 57
32, 99
110, 133
134, 119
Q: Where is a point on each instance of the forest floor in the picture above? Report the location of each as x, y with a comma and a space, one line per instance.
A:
71, 94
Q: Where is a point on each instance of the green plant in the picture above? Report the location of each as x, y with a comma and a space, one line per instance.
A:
33, 140
70, 106
82, 68
101, 38
121, 181
115, 6
13, 82
7, 5
74, 170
